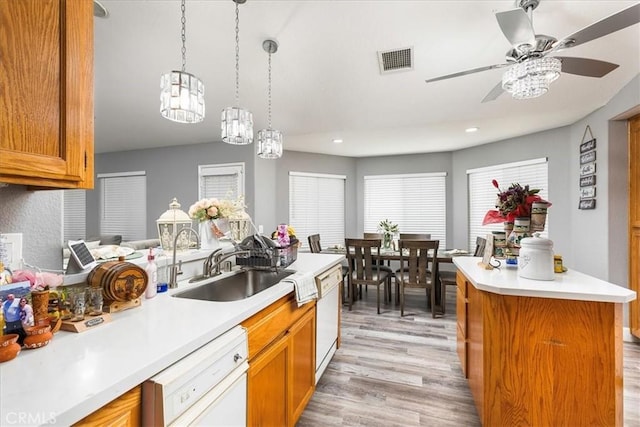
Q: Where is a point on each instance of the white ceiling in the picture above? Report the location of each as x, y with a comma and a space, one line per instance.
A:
326, 79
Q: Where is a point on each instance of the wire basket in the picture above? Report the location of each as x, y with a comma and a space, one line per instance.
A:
270, 258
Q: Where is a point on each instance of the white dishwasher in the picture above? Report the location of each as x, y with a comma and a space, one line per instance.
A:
327, 323
208, 387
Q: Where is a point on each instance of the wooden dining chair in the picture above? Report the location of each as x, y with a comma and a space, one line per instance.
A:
383, 267
448, 277
416, 255
363, 271
314, 243
316, 248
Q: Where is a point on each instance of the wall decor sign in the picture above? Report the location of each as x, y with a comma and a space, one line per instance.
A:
587, 192
587, 180
588, 169
587, 204
588, 157
588, 146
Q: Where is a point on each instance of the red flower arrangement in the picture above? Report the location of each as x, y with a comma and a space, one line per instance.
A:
513, 203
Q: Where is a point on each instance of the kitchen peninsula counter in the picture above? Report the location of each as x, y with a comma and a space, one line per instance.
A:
78, 373
540, 352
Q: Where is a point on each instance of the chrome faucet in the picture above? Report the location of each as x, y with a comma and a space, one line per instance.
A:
208, 264
217, 257
175, 269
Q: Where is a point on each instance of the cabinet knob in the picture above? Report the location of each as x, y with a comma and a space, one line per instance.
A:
237, 357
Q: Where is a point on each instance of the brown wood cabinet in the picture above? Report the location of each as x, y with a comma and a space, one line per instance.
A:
124, 411
540, 361
46, 95
281, 376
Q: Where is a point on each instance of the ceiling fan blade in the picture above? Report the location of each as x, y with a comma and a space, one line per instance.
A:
494, 93
517, 27
586, 67
611, 24
464, 73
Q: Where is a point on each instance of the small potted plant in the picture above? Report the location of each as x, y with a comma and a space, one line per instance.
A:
388, 230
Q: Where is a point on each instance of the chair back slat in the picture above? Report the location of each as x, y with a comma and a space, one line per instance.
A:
314, 243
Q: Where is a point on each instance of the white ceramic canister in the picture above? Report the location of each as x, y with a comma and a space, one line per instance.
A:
535, 260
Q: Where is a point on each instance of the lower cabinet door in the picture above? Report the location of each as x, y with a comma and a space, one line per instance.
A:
124, 411
302, 375
267, 386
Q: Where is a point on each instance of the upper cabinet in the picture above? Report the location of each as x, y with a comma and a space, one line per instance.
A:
46, 93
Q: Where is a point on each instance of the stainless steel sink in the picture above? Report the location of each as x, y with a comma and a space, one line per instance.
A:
236, 287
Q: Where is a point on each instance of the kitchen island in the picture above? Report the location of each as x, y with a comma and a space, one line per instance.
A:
541, 352
77, 374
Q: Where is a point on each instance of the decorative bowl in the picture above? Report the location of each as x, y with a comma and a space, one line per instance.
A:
37, 336
9, 348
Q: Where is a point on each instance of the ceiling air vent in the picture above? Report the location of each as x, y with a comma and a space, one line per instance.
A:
395, 60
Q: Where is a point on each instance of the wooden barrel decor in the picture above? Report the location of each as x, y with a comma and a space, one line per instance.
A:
120, 281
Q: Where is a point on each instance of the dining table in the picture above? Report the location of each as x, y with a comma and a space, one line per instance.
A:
444, 256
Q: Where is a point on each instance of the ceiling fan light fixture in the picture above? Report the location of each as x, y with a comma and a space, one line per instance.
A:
531, 78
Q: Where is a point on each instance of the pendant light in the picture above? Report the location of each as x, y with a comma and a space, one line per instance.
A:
237, 123
182, 94
269, 140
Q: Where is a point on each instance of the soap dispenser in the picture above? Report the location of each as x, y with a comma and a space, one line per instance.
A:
152, 275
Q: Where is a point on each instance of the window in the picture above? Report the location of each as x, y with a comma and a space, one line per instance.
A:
316, 206
223, 181
123, 204
482, 194
74, 216
416, 202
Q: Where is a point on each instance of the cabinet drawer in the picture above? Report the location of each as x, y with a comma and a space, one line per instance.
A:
267, 325
328, 280
461, 281
461, 311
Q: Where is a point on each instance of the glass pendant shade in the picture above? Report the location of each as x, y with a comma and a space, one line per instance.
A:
182, 97
237, 126
531, 78
269, 144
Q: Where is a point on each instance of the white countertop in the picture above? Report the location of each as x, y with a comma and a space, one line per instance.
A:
571, 284
77, 373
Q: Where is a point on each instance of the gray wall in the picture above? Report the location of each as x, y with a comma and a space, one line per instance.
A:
38, 216
171, 172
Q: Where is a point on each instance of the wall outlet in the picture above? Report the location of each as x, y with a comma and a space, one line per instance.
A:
260, 229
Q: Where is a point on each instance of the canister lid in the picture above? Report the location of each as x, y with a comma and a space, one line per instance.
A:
537, 241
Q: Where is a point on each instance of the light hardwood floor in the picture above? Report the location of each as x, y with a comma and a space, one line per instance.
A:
393, 371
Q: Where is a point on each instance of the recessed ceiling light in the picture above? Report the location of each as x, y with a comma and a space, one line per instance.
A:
471, 129
337, 141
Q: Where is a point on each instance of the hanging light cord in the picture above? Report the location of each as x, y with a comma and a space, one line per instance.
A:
237, 55
269, 91
184, 37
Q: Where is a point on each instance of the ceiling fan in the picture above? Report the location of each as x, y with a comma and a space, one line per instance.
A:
532, 68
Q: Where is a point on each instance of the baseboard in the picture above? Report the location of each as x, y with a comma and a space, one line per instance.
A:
627, 337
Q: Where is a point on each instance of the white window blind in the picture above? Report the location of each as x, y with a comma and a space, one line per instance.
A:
123, 205
74, 217
223, 181
316, 206
416, 202
483, 195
